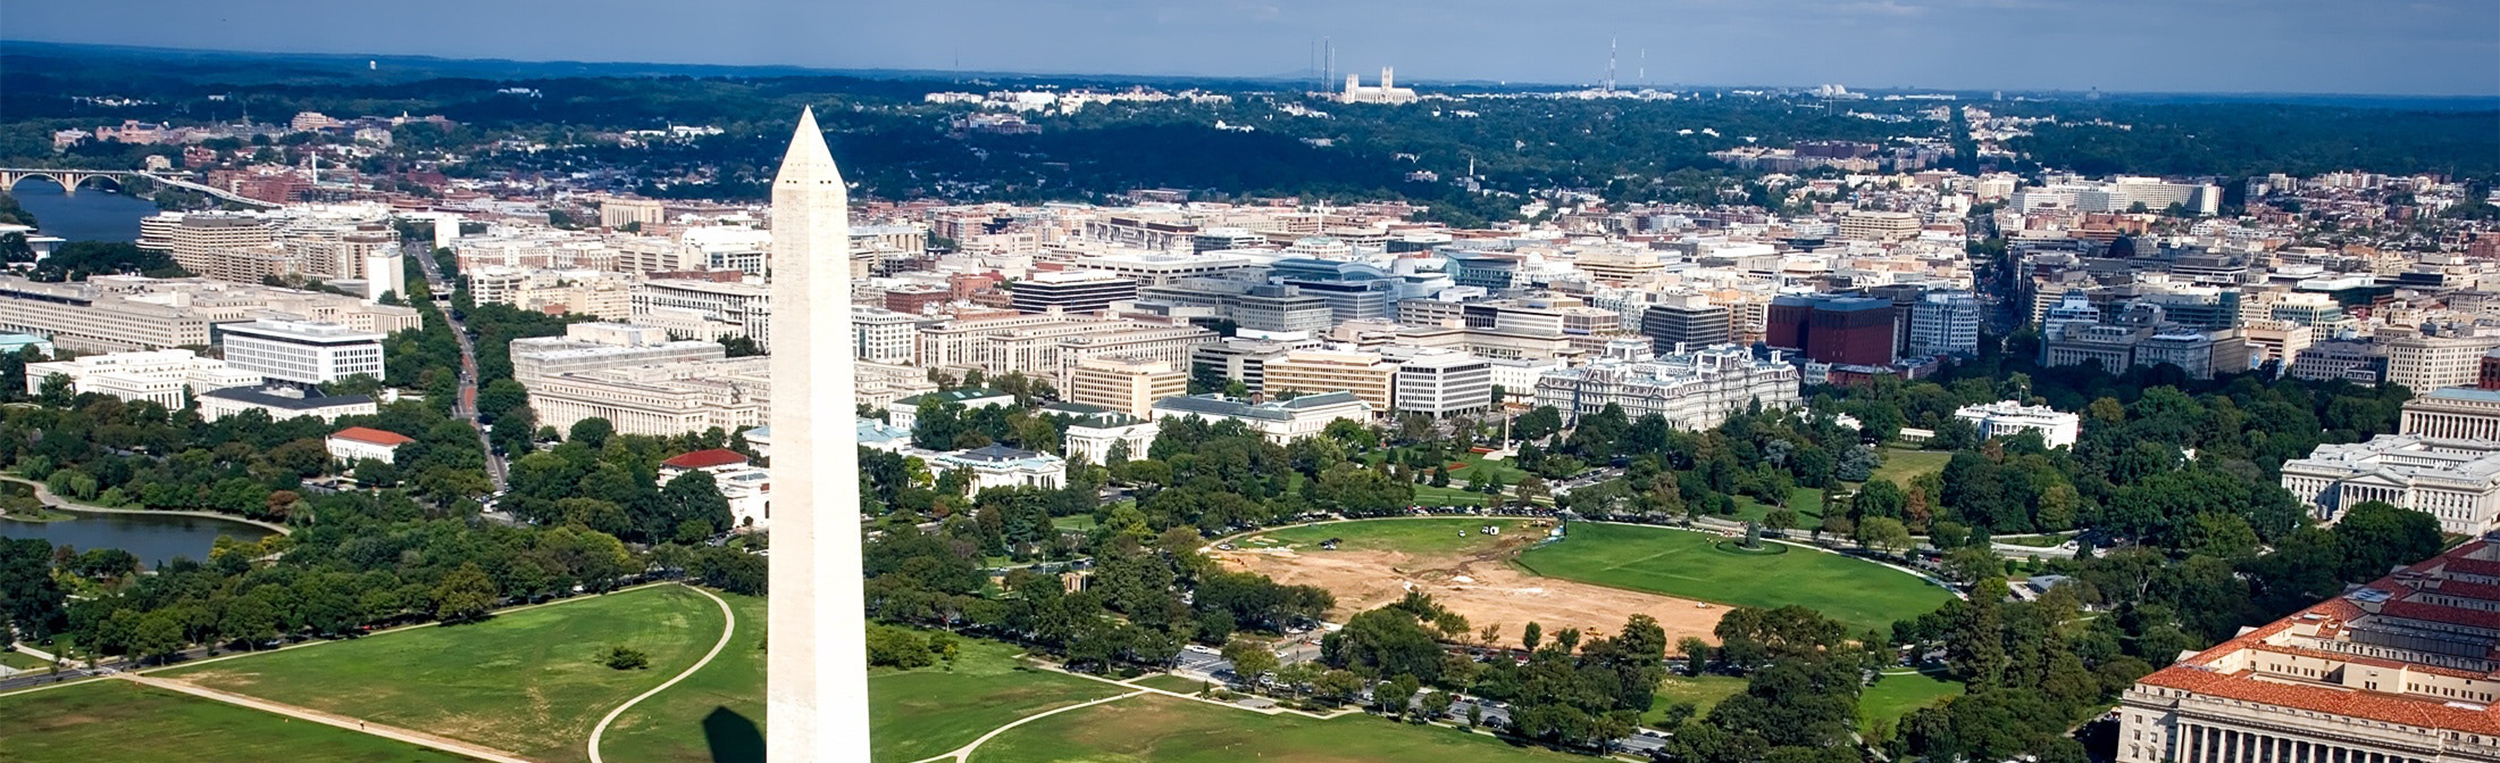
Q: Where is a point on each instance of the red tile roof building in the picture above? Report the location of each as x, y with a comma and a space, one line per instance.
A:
2402, 670
707, 459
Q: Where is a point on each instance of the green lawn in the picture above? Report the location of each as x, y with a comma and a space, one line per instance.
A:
1685, 564
1427, 495
717, 714
1170, 730
1806, 501
1896, 695
1169, 682
1074, 523
1902, 465
1703, 691
915, 714
1465, 466
119, 720
1891, 698
1415, 536
529, 682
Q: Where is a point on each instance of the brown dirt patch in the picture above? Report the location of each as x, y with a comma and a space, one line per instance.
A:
1482, 586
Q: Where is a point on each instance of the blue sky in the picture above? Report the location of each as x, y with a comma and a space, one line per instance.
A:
2409, 47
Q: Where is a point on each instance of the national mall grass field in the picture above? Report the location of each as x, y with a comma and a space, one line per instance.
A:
1862, 594
529, 682
110, 720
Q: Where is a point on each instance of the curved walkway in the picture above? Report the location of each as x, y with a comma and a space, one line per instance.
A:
44, 493
964, 753
729, 626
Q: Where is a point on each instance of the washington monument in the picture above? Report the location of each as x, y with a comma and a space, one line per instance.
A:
816, 703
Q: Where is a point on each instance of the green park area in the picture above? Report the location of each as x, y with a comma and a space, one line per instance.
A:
1427, 495
1703, 691
1421, 537
1895, 695
1806, 501
1691, 565
1902, 465
531, 682
1170, 730
921, 712
714, 716
1464, 466
120, 720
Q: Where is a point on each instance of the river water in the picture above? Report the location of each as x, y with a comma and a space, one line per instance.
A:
95, 214
154, 538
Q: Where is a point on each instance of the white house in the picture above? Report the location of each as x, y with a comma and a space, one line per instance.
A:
1001, 466
2007, 418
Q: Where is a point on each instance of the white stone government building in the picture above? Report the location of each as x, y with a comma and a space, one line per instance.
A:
1693, 390
2456, 481
2403, 670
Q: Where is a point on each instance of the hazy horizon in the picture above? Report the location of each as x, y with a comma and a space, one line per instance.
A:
2342, 47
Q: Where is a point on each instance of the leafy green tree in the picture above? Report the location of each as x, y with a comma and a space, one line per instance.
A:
157, 636
465, 594
593, 432
2376, 537
1251, 658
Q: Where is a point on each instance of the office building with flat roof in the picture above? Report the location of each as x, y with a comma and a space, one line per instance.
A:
1070, 291
282, 403
1690, 321
302, 352
1442, 384
1365, 374
157, 376
1129, 386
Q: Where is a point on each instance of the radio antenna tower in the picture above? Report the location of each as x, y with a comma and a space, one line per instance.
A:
1610, 64
1644, 71
1328, 64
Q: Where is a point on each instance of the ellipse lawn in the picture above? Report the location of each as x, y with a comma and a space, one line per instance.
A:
1169, 730
1681, 563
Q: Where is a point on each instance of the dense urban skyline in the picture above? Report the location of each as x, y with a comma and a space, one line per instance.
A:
2437, 47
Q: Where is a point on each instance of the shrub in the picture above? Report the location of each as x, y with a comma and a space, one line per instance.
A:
626, 658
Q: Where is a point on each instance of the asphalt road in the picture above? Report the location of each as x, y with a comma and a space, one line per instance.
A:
466, 406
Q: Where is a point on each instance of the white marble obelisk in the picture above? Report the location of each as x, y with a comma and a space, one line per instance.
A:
816, 703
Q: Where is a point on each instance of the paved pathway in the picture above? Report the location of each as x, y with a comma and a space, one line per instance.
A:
964, 753
418, 738
36, 653
729, 626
